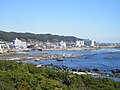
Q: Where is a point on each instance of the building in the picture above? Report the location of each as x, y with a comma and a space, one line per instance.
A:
79, 43
62, 44
1, 48
89, 42
19, 44
4, 47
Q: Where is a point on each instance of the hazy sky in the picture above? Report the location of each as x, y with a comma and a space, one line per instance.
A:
94, 19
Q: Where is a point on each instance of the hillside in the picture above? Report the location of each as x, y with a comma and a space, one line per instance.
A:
21, 76
9, 36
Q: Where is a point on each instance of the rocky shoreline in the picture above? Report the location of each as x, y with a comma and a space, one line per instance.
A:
83, 48
96, 73
36, 56
41, 56
22, 56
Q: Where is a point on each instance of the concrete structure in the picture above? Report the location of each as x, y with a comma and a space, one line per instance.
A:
89, 42
1, 49
19, 44
62, 44
79, 43
4, 47
93, 43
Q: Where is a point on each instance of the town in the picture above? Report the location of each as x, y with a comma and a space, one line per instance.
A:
19, 45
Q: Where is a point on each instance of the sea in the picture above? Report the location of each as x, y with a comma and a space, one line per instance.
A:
103, 59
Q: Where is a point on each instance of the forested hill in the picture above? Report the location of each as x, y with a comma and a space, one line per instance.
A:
9, 36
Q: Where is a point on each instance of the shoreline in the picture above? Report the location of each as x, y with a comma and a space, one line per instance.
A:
80, 48
37, 56
40, 56
21, 56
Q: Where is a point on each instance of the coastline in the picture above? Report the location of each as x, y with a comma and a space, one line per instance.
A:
39, 56
82, 48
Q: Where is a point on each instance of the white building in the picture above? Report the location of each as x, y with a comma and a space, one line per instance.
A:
89, 42
93, 43
62, 44
19, 44
79, 43
1, 49
4, 47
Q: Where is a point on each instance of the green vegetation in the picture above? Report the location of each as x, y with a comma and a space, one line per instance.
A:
9, 36
21, 76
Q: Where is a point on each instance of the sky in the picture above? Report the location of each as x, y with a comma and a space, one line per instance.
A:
93, 19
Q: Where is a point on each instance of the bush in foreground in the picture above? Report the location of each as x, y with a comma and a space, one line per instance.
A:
21, 76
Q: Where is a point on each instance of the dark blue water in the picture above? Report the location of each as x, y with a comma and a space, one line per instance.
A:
103, 59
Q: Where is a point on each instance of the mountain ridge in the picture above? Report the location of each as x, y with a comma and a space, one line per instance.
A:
9, 36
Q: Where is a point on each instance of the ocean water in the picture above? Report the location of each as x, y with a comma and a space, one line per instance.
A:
103, 59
